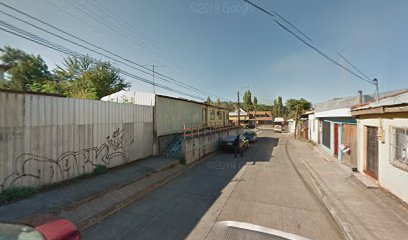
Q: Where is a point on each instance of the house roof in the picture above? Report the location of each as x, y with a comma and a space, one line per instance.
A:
241, 113
261, 115
192, 101
261, 112
143, 98
125, 96
5, 67
333, 104
398, 100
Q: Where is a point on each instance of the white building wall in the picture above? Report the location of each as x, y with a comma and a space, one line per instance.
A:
313, 128
46, 139
291, 126
390, 177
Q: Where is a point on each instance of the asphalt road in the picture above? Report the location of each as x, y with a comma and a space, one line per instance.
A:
266, 187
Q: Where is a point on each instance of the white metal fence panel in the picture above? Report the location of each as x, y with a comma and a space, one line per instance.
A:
47, 139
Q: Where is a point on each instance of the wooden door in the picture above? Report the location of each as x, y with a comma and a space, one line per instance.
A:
372, 152
336, 139
350, 140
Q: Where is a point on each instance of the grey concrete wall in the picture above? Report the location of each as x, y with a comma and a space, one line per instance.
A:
46, 139
165, 141
198, 147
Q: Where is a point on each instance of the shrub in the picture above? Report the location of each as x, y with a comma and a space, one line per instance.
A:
100, 169
16, 193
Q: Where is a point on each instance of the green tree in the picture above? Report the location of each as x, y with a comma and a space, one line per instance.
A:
280, 107
248, 100
219, 102
296, 107
208, 101
28, 72
275, 108
85, 77
255, 102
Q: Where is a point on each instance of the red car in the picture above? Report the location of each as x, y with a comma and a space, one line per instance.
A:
60, 229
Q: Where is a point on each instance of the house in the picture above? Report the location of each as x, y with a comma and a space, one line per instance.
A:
243, 116
336, 127
382, 142
260, 117
313, 127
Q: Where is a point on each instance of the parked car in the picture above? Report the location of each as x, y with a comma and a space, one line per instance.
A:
59, 229
250, 126
228, 142
251, 136
277, 128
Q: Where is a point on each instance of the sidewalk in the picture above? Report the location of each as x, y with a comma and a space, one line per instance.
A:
362, 212
66, 199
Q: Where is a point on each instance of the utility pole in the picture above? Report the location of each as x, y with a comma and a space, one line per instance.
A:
239, 110
153, 75
296, 120
154, 85
255, 114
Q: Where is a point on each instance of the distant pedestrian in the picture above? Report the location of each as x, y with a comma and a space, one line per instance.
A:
237, 148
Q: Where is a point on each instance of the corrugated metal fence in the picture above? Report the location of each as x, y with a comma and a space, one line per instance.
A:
47, 139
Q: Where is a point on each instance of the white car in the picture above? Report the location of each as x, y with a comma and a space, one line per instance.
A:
277, 128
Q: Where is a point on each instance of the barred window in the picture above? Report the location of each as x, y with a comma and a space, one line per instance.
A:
399, 148
212, 115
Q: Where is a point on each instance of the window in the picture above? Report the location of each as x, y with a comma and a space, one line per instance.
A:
212, 115
399, 148
219, 113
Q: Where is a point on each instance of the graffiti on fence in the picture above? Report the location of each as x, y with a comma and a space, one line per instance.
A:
43, 170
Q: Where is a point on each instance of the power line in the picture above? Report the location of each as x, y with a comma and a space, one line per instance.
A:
41, 41
99, 18
355, 68
150, 43
146, 70
307, 43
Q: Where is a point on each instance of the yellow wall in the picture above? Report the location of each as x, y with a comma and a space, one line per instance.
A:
217, 118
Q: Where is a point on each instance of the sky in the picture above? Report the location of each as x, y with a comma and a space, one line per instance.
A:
220, 46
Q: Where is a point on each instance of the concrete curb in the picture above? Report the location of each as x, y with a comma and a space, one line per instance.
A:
87, 212
343, 224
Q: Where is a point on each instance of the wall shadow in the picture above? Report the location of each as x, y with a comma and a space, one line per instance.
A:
174, 210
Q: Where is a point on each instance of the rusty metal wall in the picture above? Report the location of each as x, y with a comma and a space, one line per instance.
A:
47, 139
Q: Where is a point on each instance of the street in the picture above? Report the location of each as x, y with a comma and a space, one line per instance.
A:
263, 188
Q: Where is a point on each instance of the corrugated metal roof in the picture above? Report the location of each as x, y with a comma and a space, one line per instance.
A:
395, 99
124, 96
